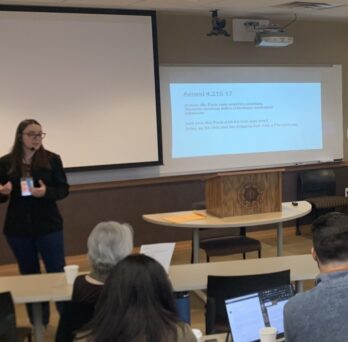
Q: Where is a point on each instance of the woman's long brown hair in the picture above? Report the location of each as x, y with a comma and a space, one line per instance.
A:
40, 158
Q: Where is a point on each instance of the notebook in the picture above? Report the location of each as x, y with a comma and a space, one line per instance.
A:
248, 314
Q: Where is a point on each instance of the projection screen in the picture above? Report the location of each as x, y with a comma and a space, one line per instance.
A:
89, 76
237, 117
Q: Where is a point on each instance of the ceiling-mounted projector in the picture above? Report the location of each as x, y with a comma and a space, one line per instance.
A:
273, 38
270, 35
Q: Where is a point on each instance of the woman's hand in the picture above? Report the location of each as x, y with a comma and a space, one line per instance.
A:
39, 191
6, 189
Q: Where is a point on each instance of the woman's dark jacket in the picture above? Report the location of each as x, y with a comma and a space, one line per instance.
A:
30, 216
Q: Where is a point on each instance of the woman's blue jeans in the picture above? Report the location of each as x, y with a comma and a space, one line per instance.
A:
28, 250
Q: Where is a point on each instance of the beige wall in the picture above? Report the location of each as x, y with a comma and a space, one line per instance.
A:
182, 39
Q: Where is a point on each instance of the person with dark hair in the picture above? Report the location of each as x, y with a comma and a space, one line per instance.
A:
320, 314
137, 304
33, 179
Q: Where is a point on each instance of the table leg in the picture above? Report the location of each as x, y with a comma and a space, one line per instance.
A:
195, 245
37, 317
280, 238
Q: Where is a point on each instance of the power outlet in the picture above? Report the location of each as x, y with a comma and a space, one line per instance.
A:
346, 192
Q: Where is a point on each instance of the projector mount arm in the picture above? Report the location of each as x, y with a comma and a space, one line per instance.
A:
218, 25
254, 26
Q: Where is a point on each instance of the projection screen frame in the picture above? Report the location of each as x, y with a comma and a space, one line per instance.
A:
110, 11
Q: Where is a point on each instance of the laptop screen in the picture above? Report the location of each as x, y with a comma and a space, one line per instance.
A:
248, 314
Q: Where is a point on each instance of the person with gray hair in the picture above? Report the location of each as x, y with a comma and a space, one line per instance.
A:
108, 243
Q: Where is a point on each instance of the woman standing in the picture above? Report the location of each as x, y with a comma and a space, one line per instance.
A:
33, 179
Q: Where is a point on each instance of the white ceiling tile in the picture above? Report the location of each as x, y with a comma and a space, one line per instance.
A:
230, 8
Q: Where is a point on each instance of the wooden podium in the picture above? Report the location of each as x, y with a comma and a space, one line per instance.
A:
243, 193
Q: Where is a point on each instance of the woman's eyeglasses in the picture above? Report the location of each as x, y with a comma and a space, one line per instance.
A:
32, 135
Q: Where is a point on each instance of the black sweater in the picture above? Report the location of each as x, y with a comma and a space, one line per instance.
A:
30, 216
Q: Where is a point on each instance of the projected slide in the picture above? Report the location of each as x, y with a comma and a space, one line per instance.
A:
235, 118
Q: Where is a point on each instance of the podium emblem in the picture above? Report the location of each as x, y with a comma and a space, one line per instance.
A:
250, 195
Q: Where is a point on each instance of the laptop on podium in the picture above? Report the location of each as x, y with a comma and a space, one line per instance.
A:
248, 314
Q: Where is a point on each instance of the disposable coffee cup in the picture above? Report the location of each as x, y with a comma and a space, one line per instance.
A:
268, 334
71, 272
198, 334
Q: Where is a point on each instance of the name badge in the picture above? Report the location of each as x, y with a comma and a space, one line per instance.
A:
26, 184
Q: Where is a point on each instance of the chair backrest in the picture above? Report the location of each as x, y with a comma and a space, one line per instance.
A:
8, 328
221, 288
315, 183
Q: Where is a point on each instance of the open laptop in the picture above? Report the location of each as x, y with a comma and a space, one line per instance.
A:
248, 314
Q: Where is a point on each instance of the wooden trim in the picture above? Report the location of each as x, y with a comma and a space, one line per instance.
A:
136, 182
248, 172
200, 177
304, 166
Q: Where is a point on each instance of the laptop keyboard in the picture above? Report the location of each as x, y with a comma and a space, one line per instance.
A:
280, 293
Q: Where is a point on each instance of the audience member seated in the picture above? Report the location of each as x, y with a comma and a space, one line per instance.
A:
320, 314
137, 304
107, 244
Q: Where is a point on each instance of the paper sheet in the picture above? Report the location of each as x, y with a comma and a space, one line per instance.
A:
162, 252
194, 216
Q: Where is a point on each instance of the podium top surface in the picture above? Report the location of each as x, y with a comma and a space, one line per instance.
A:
245, 172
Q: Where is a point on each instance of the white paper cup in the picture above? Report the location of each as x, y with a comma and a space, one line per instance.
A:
268, 334
71, 272
198, 334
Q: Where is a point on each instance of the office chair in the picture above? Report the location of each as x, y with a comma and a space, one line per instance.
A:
8, 327
221, 288
318, 187
227, 244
